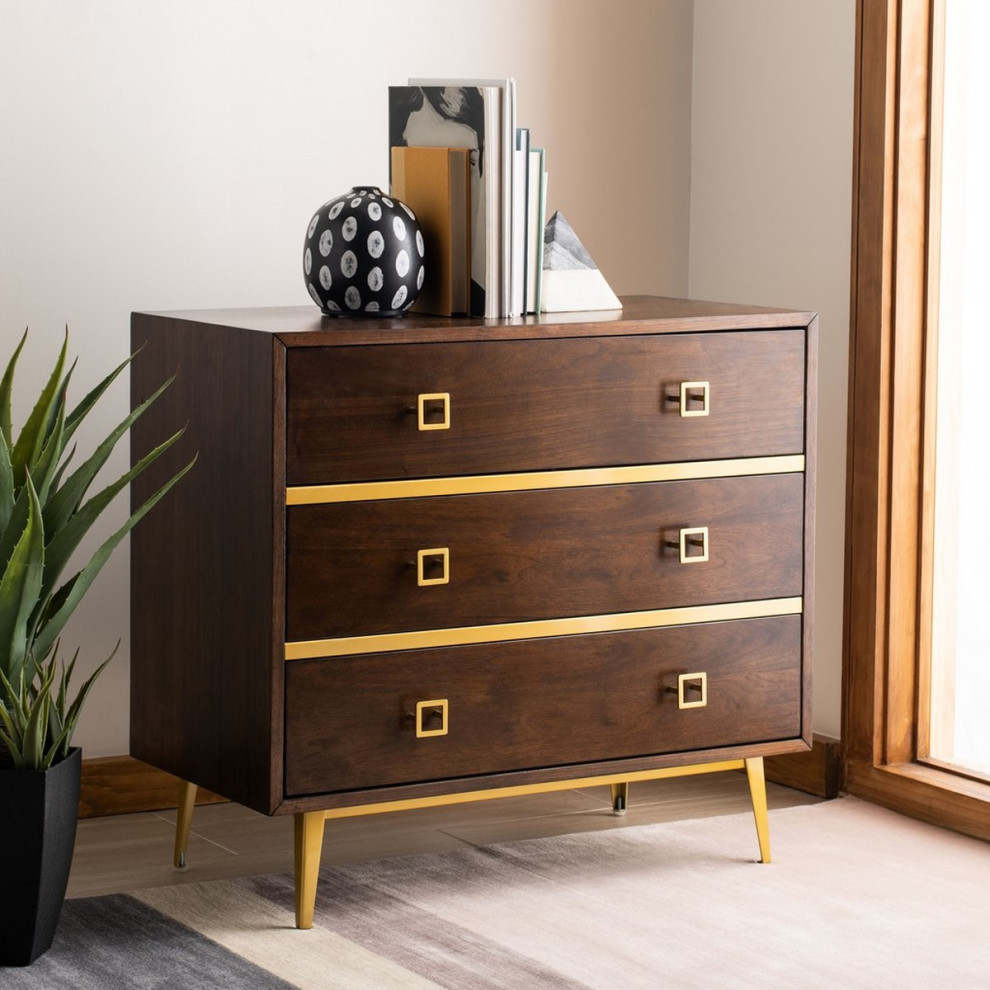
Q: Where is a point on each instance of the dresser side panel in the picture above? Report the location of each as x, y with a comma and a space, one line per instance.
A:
202, 704
810, 482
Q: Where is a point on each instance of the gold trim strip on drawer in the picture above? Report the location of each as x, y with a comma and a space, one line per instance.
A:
367, 491
573, 626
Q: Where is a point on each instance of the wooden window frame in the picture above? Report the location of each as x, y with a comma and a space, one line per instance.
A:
886, 664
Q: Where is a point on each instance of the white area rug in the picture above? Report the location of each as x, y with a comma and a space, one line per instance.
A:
856, 896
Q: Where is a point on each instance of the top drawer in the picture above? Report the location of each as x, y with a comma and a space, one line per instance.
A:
537, 405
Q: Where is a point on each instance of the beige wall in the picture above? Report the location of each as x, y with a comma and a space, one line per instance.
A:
168, 155
771, 173
165, 155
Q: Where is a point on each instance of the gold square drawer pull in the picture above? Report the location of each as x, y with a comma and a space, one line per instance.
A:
694, 545
695, 398
692, 690
433, 410
433, 566
431, 718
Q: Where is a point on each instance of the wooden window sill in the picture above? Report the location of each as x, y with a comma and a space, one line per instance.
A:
937, 796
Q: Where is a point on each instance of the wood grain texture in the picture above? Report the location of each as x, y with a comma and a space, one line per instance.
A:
202, 703
210, 572
305, 326
540, 404
118, 785
121, 785
539, 703
907, 384
817, 770
810, 531
867, 481
888, 461
517, 556
945, 799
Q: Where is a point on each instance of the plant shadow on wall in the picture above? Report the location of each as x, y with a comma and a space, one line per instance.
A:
45, 512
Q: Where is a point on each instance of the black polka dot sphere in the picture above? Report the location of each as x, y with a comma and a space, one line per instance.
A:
364, 255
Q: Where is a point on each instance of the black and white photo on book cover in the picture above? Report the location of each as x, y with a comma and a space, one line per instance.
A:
500, 96
460, 117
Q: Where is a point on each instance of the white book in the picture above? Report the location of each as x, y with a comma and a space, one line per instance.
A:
535, 222
520, 195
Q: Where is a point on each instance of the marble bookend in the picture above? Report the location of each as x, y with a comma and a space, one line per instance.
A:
571, 279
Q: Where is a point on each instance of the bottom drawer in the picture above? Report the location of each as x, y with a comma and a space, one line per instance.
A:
351, 722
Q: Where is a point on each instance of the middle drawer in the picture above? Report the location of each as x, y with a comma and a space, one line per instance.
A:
398, 565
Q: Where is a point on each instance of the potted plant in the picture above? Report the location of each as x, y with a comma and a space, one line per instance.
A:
45, 511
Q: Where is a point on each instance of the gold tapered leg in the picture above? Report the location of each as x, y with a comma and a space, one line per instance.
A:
758, 795
620, 797
309, 846
183, 821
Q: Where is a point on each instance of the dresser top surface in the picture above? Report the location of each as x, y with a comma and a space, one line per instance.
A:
306, 326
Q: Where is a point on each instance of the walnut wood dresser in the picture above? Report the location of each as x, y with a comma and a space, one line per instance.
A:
425, 561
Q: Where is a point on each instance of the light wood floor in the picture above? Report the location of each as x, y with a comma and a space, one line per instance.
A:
128, 852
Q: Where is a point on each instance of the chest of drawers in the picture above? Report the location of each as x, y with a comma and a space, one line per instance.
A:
422, 561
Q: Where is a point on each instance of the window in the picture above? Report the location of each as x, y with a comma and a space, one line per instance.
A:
958, 727
887, 677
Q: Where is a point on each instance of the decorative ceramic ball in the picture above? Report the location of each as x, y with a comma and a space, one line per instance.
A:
364, 255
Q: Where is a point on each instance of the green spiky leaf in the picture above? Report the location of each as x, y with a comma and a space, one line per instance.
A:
80, 412
44, 516
6, 486
6, 389
64, 602
66, 501
20, 587
34, 433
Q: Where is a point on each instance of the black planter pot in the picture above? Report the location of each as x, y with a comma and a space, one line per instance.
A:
37, 836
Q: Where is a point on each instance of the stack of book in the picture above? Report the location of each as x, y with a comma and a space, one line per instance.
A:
478, 187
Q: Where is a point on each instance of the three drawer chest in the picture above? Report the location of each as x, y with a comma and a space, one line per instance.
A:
429, 560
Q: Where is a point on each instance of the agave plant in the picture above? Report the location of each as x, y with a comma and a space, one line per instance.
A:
44, 515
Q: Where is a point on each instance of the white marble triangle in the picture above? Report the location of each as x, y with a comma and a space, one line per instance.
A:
571, 279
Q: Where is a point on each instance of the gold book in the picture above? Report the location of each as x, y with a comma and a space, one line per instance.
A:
435, 184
